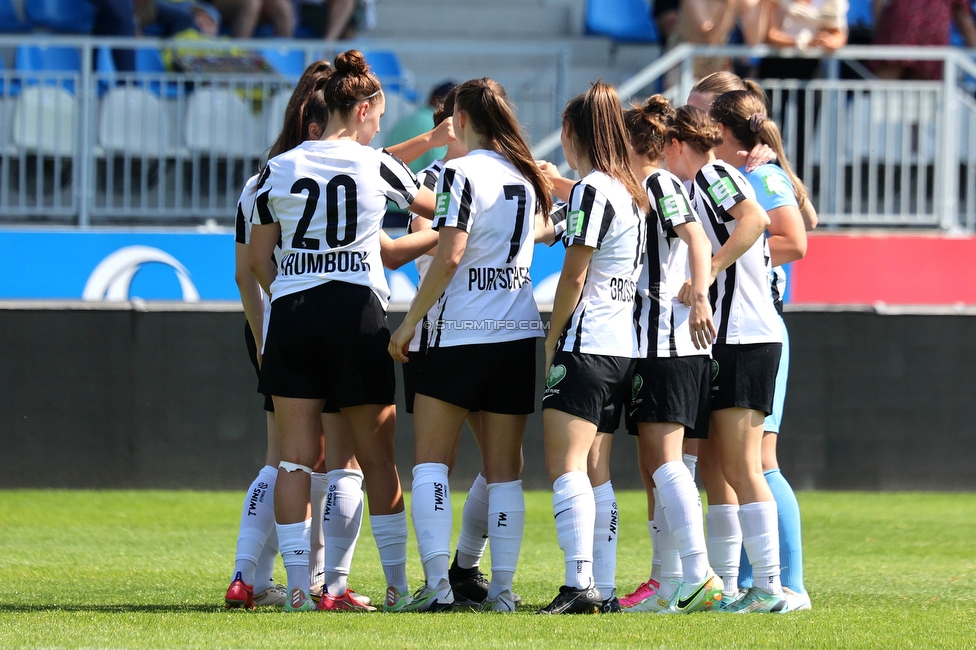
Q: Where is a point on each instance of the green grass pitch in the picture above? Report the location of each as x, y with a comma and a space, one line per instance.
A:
148, 570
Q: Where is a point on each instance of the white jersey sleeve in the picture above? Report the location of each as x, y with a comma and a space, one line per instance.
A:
245, 206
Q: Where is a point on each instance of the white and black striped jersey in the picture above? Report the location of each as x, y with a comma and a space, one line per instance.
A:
242, 235
741, 299
662, 319
427, 178
602, 214
489, 299
329, 196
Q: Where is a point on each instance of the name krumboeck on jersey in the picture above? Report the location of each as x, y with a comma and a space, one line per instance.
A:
331, 262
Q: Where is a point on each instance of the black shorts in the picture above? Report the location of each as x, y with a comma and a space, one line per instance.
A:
744, 376
492, 377
411, 375
590, 386
672, 389
329, 342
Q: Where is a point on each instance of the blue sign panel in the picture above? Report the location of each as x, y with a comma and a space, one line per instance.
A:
152, 265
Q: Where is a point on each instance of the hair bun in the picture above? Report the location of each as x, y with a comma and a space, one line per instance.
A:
351, 62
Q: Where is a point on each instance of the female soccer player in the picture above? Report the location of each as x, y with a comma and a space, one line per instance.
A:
257, 541
746, 350
783, 196
481, 356
670, 393
327, 335
592, 343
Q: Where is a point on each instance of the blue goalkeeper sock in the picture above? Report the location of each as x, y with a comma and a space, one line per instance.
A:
745, 570
790, 537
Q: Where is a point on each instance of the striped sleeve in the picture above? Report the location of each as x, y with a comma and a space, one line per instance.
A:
245, 207
263, 212
453, 208
669, 201
428, 175
558, 219
589, 217
399, 183
721, 189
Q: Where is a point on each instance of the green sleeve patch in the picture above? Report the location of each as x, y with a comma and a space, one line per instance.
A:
575, 220
443, 203
776, 185
722, 190
671, 207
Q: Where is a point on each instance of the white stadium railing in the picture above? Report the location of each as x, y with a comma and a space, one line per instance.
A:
94, 146
878, 153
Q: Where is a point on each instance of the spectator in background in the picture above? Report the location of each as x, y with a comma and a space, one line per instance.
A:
665, 16
116, 18
912, 22
709, 22
336, 19
421, 121
804, 25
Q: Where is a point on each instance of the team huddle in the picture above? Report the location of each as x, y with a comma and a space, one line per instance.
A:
665, 318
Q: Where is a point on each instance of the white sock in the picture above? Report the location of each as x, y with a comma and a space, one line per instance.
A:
575, 514
655, 549
691, 462
341, 520
682, 507
671, 571
760, 536
316, 564
430, 505
474, 525
294, 543
257, 522
390, 533
506, 526
264, 577
605, 540
724, 542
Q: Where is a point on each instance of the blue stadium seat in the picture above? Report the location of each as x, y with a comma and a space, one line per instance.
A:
150, 61
68, 16
859, 13
621, 20
287, 63
11, 22
385, 65
33, 58
13, 88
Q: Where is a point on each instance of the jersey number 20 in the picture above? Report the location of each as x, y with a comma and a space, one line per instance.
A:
331, 212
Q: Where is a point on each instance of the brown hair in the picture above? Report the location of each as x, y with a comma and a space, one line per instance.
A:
596, 122
723, 81
485, 103
306, 106
694, 127
647, 126
744, 115
446, 108
351, 83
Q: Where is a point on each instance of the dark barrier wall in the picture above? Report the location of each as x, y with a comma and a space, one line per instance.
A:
165, 399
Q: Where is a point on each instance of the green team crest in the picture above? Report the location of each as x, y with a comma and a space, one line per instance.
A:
635, 387
556, 374
714, 369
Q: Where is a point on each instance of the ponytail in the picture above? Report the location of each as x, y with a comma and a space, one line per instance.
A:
744, 114
694, 127
596, 122
485, 103
306, 106
647, 126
